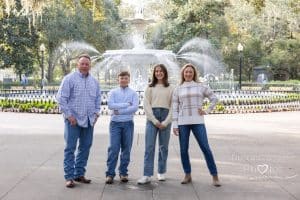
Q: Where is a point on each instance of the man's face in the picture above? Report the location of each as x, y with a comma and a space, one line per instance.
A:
84, 65
124, 81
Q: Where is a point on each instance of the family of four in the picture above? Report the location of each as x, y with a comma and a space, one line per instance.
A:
79, 99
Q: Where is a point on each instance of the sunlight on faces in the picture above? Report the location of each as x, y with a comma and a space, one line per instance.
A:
124, 81
188, 74
84, 65
159, 73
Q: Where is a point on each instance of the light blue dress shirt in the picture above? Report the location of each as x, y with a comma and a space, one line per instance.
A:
125, 101
79, 96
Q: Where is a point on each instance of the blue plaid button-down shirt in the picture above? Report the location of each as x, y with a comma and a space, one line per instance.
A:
79, 96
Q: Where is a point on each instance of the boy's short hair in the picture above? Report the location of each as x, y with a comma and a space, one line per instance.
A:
124, 73
85, 55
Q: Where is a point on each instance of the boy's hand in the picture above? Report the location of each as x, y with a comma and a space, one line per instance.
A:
116, 112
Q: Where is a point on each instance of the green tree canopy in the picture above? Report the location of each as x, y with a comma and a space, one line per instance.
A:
18, 37
184, 20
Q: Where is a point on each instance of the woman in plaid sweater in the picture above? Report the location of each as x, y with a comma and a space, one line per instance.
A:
188, 115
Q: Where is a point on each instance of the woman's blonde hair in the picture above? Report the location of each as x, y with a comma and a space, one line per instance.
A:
195, 78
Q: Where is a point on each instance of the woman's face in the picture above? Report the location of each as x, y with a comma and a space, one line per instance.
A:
159, 74
188, 74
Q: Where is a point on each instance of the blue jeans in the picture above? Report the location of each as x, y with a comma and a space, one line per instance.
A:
150, 143
199, 132
121, 136
74, 166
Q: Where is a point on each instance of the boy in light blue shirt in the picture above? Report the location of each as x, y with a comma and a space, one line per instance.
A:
123, 103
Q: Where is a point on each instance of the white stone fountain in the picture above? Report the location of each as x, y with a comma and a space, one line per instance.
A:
140, 60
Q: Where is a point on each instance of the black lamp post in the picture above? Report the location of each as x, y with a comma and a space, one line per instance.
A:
42, 49
240, 49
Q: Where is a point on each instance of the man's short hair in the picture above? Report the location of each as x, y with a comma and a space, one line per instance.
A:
85, 55
124, 73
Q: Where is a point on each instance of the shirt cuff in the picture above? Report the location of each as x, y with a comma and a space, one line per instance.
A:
165, 123
208, 110
154, 121
67, 115
175, 124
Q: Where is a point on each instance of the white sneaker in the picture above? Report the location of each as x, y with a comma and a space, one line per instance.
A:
161, 177
144, 180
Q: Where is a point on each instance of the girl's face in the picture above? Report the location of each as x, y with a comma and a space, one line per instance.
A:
159, 74
188, 74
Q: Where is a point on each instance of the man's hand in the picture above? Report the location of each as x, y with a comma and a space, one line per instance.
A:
176, 131
72, 120
96, 118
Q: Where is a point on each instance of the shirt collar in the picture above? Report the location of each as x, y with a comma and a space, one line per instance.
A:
121, 88
189, 82
81, 75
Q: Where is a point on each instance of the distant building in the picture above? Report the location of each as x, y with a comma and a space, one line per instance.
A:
261, 74
7, 75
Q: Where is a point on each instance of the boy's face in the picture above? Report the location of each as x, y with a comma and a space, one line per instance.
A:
124, 81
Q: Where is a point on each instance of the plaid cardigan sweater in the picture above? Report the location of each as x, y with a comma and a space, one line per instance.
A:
187, 99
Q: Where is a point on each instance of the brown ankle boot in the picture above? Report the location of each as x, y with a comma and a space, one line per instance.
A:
187, 179
216, 181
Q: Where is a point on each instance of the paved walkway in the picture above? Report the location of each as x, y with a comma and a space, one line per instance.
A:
257, 157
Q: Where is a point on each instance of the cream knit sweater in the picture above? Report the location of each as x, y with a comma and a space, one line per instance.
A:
187, 99
158, 97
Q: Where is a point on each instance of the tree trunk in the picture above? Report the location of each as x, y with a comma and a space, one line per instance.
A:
63, 66
68, 65
50, 70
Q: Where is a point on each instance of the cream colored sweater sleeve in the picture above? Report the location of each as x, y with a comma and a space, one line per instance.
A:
148, 107
169, 117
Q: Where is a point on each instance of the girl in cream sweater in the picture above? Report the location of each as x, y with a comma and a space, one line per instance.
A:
157, 104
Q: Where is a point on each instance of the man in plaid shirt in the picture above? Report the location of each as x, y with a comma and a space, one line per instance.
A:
79, 101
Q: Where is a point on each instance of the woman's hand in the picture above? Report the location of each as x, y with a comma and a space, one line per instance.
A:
176, 131
202, 112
